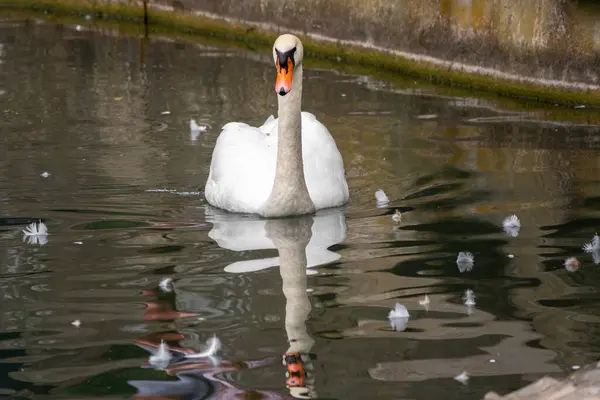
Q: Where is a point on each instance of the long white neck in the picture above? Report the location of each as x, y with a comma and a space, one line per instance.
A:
289, 195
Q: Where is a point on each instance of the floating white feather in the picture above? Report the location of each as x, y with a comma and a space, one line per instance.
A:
36, 233
166, 285
465, 261
162, 357
425, 302
469, 298
213, 345
512, 225
462, 377
593, 246
381, 198
397, 217
36, 229
76, 323
398, 317
196, 129
572, 264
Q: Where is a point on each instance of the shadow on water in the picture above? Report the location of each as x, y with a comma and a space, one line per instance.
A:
98, 147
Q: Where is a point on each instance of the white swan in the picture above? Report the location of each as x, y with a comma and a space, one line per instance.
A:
290, 165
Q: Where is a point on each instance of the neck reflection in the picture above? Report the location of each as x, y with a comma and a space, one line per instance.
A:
291, 237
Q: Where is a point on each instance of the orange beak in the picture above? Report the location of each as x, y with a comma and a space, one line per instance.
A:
283, 85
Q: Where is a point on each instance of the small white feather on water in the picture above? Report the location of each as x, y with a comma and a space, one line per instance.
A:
35, 239
469, 298
572, 264
196, 129
76, 323
511, 222
36, 229
36, 233
381, 198
512, 225
462, 377
425, 302
162, 357
398, 317
465, 261
166, 285
397, 217
593, 246
45, 174
213, 345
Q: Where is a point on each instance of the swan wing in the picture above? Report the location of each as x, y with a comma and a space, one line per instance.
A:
323, 165
242, 169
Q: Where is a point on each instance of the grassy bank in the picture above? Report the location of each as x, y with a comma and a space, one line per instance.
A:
370, 61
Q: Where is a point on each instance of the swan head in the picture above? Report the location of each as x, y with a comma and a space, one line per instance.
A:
287, 55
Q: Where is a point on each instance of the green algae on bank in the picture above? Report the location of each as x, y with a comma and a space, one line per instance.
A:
373, 60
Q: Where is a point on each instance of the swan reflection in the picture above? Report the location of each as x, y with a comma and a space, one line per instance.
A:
246, 233
301, 243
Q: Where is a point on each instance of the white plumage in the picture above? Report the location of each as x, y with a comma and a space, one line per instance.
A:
242, 170
593, 246
162, 357
512, 225
213, 345
288, 166
36, 229
398, 317
381, 198
465, 261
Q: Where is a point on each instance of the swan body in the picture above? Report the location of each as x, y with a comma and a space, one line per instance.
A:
244, 162
288, 166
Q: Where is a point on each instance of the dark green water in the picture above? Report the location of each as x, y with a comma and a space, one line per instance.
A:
90, 108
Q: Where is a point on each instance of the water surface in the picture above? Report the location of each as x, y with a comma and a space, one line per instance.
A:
107, 116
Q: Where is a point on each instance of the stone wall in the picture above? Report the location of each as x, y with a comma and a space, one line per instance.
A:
544, 49
542, 39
